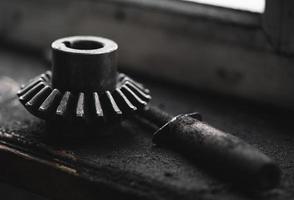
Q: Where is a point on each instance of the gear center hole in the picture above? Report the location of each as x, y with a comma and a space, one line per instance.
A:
83, 44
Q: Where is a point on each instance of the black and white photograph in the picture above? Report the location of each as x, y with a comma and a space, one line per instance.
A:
146, 100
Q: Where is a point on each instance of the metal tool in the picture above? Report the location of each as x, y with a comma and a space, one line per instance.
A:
220, 152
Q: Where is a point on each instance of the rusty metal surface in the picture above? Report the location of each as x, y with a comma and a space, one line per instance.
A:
127, 165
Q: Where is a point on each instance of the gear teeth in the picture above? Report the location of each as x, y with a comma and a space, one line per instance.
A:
31, 92
126, 79
48, 74
97, 105
39, 77
138, 85
50, 102
138, 92
26, 88
133, 97
80, 109
121, 77
44, 77
124, 102
64, 105
37, 99
114, 108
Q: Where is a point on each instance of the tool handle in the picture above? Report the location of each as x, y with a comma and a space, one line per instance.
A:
221, 152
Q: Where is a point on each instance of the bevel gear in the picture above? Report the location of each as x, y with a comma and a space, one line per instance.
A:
84, 85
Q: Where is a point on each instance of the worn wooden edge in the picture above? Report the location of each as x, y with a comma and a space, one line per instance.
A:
56, 174
50, 179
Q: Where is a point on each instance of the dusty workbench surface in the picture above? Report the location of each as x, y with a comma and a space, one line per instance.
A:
126, 164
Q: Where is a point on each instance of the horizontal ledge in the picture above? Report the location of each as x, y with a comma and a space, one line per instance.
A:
194, 9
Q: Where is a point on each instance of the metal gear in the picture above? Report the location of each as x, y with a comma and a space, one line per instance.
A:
50, 97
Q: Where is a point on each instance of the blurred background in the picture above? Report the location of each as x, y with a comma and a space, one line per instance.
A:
238, 49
